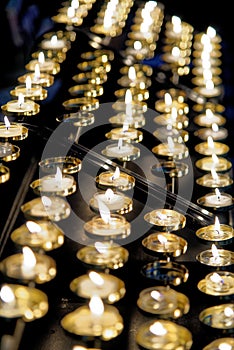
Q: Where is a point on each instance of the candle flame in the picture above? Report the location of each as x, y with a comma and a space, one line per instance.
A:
215, 158
20, 99
156, 295
75, 4
162, 239
211, 32
174, 114
214, 174
218, 194
225, 346
104, 211
128, 103
176, 21
210, 85
125, 126
131, 74
137, 45
6, 294
37, 72
109, 194
157, 329
215, 127
101, 247
161, 216
107, 21
120, 143
207, 74
175, 51
228, 311
96, 278
54, 39
217, 224
46, 201
216, 278
70, 12
28, 82
58, 175
6, 121
170, 143
29, 259
210, 142
41, 57
33, 227
215, 251
205, 39
96, 305
167, 99
116, 174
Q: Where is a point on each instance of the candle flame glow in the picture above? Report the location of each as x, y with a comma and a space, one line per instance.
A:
211, 32
120, 143
107, 21
58, 175
225, 346
137, 45
218, 194
41, 57
96, 305
33, 227
216, 278
215, 159
116, 174
70, 12
46, 201
104, 211
215, 252
157, 329
28, 83
75, 4
131, 75
109, 194
170, 143
96, 278
210, 85
176, 21
228, 311
215, 127
7, 295
6, 121
54, 39
101, 247
214, 174
217, 224
167, 99
175, 51
29, 259
156, 295
210, 142
20, 99
162, 239
37, 72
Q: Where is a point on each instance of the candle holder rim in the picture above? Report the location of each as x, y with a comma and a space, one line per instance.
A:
70, 164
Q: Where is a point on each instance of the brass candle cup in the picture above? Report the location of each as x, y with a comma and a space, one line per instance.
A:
107, 180
45, 79
93, 77
117, 227
48, 185
82, 322
13, 108
207, 163
91, 55
173, 246
224, 258
89, 66
219, 148
174, 336
209, 93
43, 271
50, 66
222, 181
164, 302
219, 343
223, 202
222, 287
112, 256
180, 122
206, 104
35, 93
62, 18
136, 106
48, 237
142, 70
178, 151
129, 135
207, 120
135, 122
80, 118
67, 164
125, 82
15, 132
219, 135
111, 290
81, 103
58, 55
200, 81
119, 206
177, 135
215, 317
53, 208
125, 153
166, 272
166, 219
9, 156
223, 235
30, 303
89, 90
181, 106
4, 174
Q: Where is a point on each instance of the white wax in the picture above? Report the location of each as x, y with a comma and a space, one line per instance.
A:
116, 202
51, 184
14, 106
11, 131
212, 200
88, 288
116, 151
49, 45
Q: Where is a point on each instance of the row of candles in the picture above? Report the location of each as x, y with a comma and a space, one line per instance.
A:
160, 328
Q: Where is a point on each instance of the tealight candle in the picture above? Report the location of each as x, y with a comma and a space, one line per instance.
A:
171, 150
209, 90
215, 180
165, 243
37, 77
208, 118
165, 105
122, 151
216, 257
137, 119
214, 131
29, 266
166, 219
21, 107
35, 92
162, 334
42, 234
114, 200
209, 147
219, 282
219, 164
54, 43
220, 343
216, 232
22, 301
115, 179
216, 200
45, 65
54, 208
94, 320
108, 287
12, 131
220, 316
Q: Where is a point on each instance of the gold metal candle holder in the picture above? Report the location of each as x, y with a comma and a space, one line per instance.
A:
166, 272
181, 107
35, 93
45, 79
216, 202
126, 152
52, 208
219, 343
217, 135
220, 164
103, 255
166, 219
219, 148
219, 283
136, 106
170, 169
111, 289
116, 203
13, 132
57, 41
83, 322
81, 118
116, 227
50, 66
27, 302
99, 63
14, 108
89, 90
141, 70
49, 185
218, 317
128, 135
58, 55
81, 103
108, 179
43, 271
208, 93
136, 121
175, 152
4, 174
67, 164
63, 18
92, 77
42, 234
219, 181
222, 234
91, 55
8, 156
138, 94
163, 301
177, 135
165, 243
208, 118
163, 334
220, 258
180, 122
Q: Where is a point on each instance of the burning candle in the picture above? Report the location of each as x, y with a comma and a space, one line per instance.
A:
219, 164
171, 150
220, 344
166, 219
212, 147
215, 257
115, 179
215, 180
106, 286
41, 234
209, 90
29, 90
214, 131
165, 243
113, 200
21, 107
220, 282
37, 77
46, 65
208, 118
220, 316
165, 105
94, 320
122, 151
29, 266
54, 43
216, 200
13, 131
216, 232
